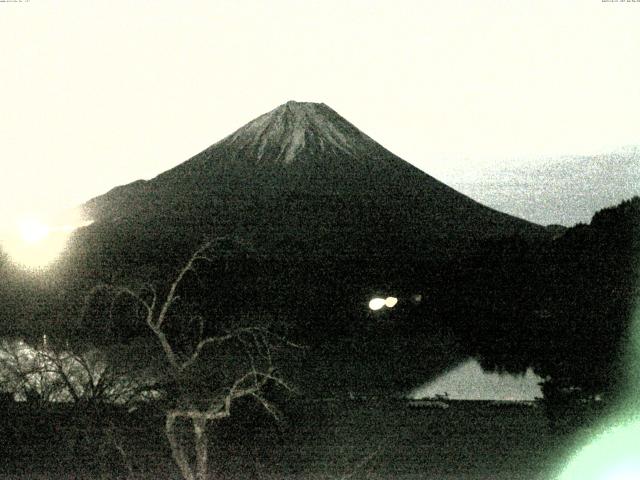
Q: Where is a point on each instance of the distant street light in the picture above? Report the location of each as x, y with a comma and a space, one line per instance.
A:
376, 303
390, 302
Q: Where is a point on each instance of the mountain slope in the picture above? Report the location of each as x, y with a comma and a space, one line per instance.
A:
301, 177
331, 218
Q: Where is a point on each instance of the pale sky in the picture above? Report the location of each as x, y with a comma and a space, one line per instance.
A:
98, 94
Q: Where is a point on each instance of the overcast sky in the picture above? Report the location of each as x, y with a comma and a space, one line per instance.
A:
97, 94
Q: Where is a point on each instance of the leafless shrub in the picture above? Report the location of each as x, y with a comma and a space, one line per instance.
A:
189, 400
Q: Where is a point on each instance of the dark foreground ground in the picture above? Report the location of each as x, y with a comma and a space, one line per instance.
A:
340, 439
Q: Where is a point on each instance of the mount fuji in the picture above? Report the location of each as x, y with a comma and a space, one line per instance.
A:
301, 180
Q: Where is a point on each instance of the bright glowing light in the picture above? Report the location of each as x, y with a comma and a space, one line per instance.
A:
377, 303
624, 472
390, 302
35, 244
35, 255
611, 456
33, 230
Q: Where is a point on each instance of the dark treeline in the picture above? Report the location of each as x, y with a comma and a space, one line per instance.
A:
563, 307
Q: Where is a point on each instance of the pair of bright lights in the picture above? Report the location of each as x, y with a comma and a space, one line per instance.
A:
379, 303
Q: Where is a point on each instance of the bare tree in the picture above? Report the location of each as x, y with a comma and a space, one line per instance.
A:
25, 373
43, 374
257, 344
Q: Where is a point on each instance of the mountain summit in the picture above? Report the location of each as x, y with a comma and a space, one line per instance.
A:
294, 129
295, 147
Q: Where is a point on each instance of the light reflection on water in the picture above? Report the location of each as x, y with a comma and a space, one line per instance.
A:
468, 381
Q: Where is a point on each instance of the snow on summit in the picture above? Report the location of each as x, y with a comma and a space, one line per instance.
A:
295, 127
